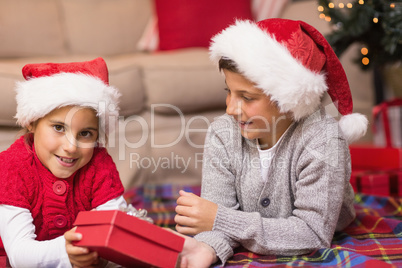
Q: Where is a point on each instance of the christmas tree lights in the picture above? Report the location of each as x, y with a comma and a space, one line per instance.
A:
375, 24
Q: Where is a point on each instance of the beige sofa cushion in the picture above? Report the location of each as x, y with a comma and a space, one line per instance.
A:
185, 79
307, 11
10, 72
104, 27
125, 75
22, 32
158, 149
8, 135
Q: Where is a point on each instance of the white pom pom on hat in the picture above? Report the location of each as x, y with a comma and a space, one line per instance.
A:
293, 63
53, 85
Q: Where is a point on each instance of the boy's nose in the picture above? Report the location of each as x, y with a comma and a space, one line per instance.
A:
233, 107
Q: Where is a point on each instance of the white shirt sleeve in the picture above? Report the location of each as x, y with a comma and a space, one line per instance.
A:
17, 232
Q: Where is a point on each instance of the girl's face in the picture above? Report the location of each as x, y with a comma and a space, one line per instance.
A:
65, 138
258, 117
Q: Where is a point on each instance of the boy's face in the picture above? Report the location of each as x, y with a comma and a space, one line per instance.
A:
258, 117
65, 138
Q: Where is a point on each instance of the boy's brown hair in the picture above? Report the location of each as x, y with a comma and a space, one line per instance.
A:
228, 64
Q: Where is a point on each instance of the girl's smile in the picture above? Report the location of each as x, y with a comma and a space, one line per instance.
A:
65, 138
67, 162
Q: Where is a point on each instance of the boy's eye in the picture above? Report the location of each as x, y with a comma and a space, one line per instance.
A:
58, 128
247, 98
227, 90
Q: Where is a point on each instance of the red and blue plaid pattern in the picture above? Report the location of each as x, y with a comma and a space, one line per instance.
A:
159, 201
374, 239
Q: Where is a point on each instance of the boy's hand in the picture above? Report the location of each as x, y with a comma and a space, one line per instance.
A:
194, 214
79, 256
196, 254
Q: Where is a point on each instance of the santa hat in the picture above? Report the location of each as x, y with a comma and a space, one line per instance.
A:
54, 85
292, 63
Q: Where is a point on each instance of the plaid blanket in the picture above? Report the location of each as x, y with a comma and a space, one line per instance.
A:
374, 239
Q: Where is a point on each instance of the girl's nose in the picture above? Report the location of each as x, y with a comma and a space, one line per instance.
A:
70, 143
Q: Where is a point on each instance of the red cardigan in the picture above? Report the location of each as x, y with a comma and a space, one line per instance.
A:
54, 203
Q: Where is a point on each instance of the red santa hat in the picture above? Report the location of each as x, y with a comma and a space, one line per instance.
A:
292, 63
54, 85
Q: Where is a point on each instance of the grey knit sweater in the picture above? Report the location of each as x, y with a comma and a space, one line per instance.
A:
306, 198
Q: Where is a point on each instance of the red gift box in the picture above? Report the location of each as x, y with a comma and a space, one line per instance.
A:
371, 183
376, 170
387, 127
366, 157
378, 182
128, 240
398, 180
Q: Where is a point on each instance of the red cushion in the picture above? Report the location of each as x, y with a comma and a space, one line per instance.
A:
192, 23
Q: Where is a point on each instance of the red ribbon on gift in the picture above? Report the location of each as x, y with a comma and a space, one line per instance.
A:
383, 109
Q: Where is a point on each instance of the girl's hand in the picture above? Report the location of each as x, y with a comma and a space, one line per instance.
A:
79, 256
194, 214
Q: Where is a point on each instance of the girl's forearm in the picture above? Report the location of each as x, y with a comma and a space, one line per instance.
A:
18, 235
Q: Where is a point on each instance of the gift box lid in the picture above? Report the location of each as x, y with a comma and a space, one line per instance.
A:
372, 157
131, 224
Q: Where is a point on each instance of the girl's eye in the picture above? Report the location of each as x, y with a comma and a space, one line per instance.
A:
86, 134
58, 128
227, 90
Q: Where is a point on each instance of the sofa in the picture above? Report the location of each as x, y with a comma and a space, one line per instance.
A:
169, 97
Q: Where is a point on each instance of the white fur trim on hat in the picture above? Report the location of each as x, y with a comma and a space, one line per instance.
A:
353, 126
37, 97
269, 64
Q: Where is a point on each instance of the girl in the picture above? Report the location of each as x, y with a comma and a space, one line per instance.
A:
276, 167
59, 167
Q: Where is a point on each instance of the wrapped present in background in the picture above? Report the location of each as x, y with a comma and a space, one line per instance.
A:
376, 170
370, 183
369, 157
127, 240
387, 126
379, 183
